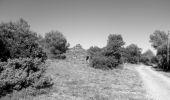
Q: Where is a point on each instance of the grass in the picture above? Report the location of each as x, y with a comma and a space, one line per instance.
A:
74, 80
78, 81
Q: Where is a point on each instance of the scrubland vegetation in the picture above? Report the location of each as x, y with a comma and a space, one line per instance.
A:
30, 66
159, 42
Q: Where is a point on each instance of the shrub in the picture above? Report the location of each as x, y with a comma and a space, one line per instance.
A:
159, 41
103, 62
56, 44
17, 40
93, 50
108, 57
148, 58
22, 73
133, 53
145, 60
162, 57
154, 60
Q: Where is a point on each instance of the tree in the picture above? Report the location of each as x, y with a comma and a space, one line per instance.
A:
134, 53
56, 43
114, 45
17, 40
110, 56
159, 42
147, 57
148, 54
158, 38
162, 57
93, 50
23, 60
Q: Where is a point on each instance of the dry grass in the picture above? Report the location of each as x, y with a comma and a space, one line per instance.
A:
77, 81
74, 80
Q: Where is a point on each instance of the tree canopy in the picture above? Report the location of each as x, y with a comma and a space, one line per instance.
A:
134, 53
56, 43
17, 40
159, 42
158, 38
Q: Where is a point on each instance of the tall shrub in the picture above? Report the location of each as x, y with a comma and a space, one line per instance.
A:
159, 41
56, 43
110, 56
134, 53
17, 40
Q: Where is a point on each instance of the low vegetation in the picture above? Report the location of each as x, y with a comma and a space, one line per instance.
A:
25, 71
56, 44
108, 57
148, 58
133, 53
78, 81
17, 74
22, 65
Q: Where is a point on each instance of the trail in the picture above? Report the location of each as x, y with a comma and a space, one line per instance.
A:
156, 84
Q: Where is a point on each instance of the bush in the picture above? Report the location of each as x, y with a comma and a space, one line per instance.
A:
108, 57
93, 50
17, 40
56, 44
162, 57
103, 62
145, 60
21, 73
133, 53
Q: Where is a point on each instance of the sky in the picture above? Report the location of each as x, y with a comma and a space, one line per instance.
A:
89, 22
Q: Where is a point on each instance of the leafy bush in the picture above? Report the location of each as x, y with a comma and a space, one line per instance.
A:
103, 62
21, 73
56, 44
162, 57
108, 57
17, 40
92, 51
159, 41
145, 60
133, 53
154, 60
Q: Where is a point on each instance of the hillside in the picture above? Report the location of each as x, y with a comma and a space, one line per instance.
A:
77, 81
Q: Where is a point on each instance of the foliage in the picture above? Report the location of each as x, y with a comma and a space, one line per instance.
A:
56, 43
134, 53
114, 43
154, 60
158, 38
147, 57
17, 40
103, 62
159, 42
22, 73
92, 51
145, 60
108, 57
162, 57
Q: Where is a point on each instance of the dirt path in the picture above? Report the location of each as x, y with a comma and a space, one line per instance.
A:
156, 84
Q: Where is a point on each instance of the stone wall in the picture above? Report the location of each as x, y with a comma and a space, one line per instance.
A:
76, 54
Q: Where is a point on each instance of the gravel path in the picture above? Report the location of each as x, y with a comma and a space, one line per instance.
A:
156, 84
